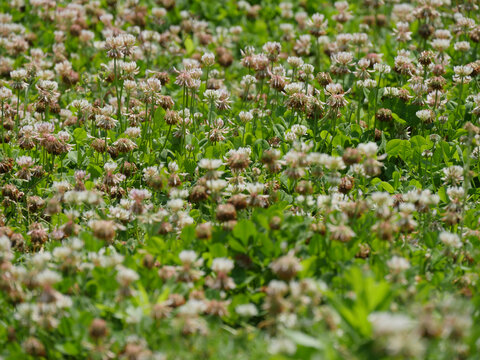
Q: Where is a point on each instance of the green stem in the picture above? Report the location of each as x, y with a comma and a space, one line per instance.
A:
106, 147
2, 129
375, 104
210, 113
119, 100
17, 118
359, 107
166, 138
244, 131
184, 130
466, 182
318, 55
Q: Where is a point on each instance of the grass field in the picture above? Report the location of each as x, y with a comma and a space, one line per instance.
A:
234, 180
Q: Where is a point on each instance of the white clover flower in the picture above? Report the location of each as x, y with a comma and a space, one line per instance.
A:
178, 193
184, 219
5, 93
440, 44
295, 61
455, 193
25, 161
334, 163
61, 253
6, 253
39, 260
208, 59
245, 116
222, 265
188, 257
210, 164
367, 83
381, 198
462, 46
385, 323
216, 185
192, 307
175, 204
241, 150
19, 272
126, 276
19, 74
211, 95
425, 115
398, 264
462, 70
47, 278
246, 310
308, 69
453, 174
299, 130
288, 320
450, 240
358, 170
343, 58
277, 287
110, 166
76, 244
282, 345
133, 132
368, 149
256, 188
407, 208
4, 244
249, 80
290, 136
61, 186
382, 68
293, 88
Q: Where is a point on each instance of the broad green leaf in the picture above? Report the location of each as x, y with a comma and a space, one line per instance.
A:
398, 147
189, 46
244, 230
387, 187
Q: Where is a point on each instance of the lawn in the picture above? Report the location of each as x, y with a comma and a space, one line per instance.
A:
188, 179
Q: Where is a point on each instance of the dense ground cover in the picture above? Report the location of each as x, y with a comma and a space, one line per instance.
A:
234, 180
